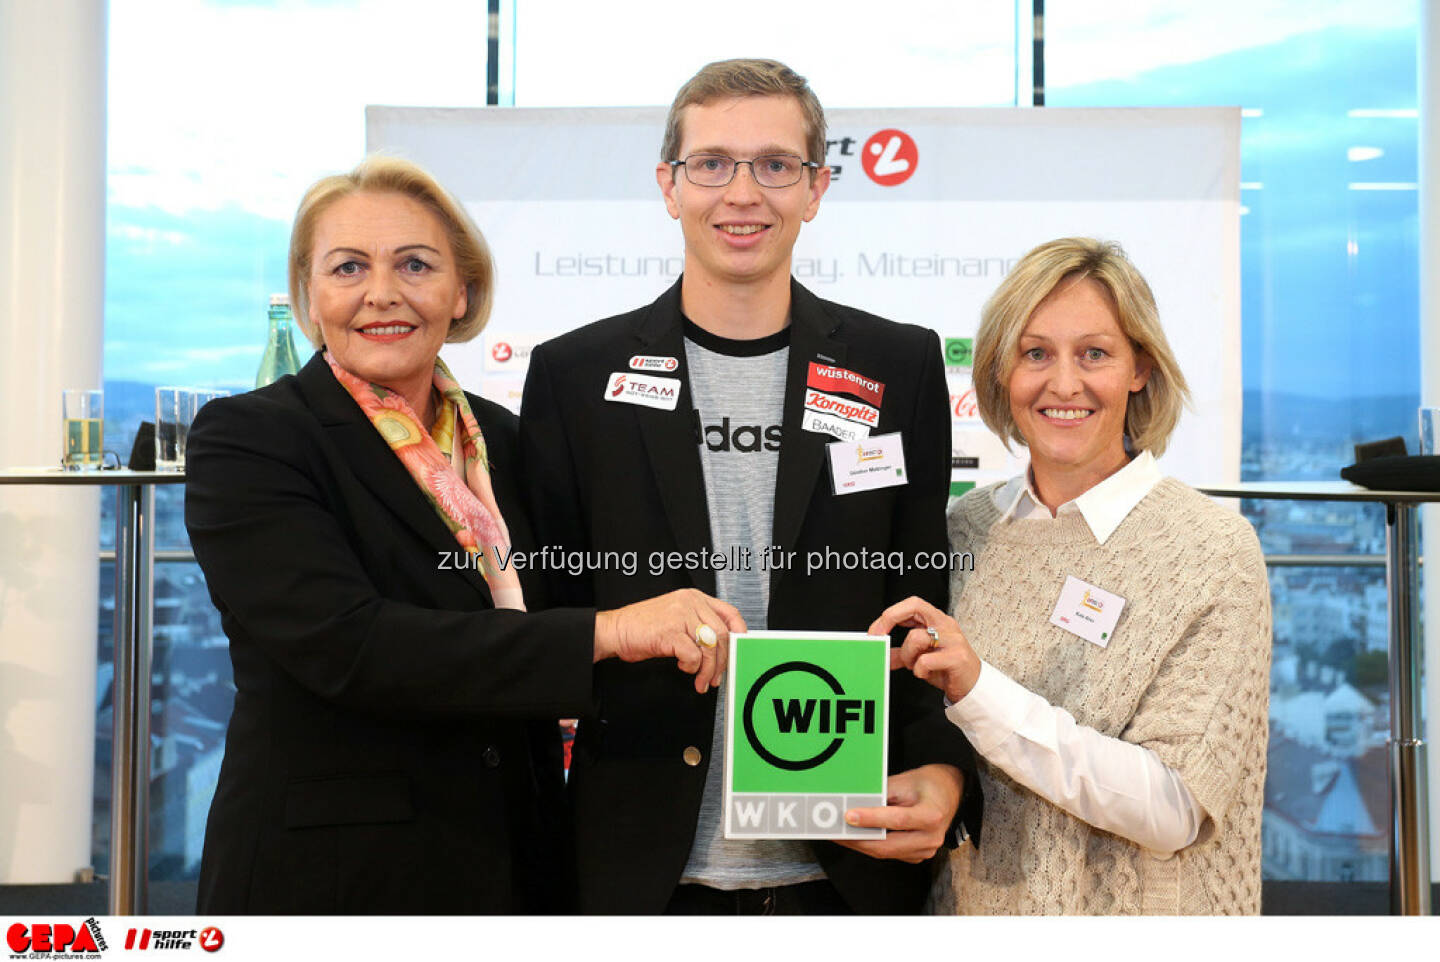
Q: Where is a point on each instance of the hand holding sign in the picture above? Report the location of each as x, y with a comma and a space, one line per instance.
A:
919, 806
936, 650
669, 626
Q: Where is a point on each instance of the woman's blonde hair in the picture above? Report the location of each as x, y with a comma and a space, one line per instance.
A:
1153, 411
381, 174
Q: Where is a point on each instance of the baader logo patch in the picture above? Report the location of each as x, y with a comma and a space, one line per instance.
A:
647, 362
838, 428
827, 377
626, 387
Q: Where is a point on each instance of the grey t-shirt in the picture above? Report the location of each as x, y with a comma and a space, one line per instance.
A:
739, 391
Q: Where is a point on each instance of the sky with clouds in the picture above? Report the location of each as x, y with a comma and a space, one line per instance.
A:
221, 113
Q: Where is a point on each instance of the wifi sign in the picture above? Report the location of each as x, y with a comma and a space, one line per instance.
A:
806, 740
889, 157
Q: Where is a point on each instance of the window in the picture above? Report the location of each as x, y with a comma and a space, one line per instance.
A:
1330, 330
220, 115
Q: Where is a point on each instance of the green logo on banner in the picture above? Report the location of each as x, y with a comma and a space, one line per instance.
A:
811, 715
959, 351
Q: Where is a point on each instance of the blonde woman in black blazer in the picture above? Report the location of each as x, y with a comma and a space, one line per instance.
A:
393, 747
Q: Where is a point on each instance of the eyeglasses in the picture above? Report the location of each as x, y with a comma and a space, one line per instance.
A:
717, 170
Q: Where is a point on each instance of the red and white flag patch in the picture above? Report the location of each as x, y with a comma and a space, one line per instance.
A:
827, 377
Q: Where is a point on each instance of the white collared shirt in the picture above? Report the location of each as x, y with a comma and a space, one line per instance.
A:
1115, 785
1103, 507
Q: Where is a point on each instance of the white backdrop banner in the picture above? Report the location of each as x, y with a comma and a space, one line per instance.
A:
926, 211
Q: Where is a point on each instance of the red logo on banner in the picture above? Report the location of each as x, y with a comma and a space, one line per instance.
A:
211, 939
889, 157
42, 939
501, 351
964, 405
828, 378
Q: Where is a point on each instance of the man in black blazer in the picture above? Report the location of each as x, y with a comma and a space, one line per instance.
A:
702, 422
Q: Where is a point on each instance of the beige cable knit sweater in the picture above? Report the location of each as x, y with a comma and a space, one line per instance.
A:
1186, 674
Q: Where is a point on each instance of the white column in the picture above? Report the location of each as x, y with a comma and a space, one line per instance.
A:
52, 271
1428, 62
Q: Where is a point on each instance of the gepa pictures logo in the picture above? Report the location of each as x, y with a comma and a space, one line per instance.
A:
45, 939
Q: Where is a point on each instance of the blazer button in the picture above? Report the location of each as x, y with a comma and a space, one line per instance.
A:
491, 757
691, 756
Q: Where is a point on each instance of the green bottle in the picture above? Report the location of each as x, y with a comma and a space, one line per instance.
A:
280, 358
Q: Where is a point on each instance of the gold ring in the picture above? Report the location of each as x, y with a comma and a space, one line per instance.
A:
705, 637
934, 638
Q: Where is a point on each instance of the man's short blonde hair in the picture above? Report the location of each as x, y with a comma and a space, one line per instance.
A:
1153, 411
746, 78
381, 174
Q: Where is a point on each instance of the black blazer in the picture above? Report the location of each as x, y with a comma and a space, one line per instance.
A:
610, 476
378, 758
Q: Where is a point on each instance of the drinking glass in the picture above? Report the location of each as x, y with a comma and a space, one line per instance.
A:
174, 410
1429, 424
83, 429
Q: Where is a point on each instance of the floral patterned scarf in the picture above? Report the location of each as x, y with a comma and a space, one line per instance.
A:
457, 485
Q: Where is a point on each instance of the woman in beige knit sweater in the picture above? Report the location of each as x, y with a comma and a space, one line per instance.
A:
1109, 654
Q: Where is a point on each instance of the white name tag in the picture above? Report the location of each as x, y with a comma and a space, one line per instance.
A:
867, 464
1087, 611
627, 387
833, 426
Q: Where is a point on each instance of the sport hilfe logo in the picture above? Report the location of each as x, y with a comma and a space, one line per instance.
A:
799, 716
146, 939
501, 352
59, 938
889, 157
646, 362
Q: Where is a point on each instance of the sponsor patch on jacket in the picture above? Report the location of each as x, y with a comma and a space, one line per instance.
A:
648, 362
827, 377
627, 387
838, 428
841, 407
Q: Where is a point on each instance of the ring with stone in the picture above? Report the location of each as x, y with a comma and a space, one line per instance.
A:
705, 637
934, 638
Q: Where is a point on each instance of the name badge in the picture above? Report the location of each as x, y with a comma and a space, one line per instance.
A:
867, 464
1087, 611
627, 387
